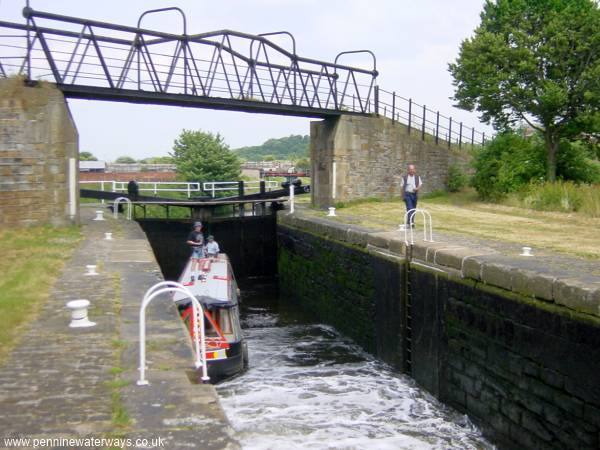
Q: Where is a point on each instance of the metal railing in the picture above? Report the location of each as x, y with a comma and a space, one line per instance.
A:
213, 187
222, 69
149, 186
425, 122
407, 225
210, 187
199, 337
235, 70
116, 207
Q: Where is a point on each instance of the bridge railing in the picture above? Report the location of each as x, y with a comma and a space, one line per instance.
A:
97, 58
423, 121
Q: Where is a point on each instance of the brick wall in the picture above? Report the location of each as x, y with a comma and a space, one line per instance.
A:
37, 138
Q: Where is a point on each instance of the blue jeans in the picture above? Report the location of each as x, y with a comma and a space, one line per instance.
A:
410, 198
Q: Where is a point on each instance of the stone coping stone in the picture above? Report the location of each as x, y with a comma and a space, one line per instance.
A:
527, 276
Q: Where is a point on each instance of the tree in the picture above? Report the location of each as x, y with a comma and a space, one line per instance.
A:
302, 164
87, 156
125, 160
536, 62
201, 156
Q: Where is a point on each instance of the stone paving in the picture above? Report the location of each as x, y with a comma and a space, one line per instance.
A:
63, 383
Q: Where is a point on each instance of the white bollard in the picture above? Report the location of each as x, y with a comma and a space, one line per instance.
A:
526, 251
108, 236
331, 212
91, 270
99, 215
79, 314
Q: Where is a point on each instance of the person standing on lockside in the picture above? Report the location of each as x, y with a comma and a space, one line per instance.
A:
411, 183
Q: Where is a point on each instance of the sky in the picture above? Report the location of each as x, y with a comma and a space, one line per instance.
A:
413, 40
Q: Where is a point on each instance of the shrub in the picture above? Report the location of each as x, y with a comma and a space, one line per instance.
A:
512, 161
457, 179
507, 163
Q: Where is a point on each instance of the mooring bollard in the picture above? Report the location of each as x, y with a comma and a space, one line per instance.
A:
79, 314
99, 215
91, 270
108, 236
331, 212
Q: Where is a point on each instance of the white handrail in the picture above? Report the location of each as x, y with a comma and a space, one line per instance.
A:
198, 334
116, 207
214, 186
186, 186
427, 223
153, 186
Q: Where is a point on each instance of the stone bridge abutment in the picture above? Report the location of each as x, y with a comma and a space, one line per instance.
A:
38, 156
357, 157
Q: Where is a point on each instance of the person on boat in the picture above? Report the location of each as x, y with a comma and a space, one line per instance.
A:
196, 241
212, 247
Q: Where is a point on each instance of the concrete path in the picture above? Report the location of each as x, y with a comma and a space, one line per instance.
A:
62, 383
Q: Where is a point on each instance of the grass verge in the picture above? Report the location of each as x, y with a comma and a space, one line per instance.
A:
463, 214
32, 259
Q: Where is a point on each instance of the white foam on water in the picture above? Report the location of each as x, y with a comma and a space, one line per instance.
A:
308, 387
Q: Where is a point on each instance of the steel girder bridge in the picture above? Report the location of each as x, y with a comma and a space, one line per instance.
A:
223, 69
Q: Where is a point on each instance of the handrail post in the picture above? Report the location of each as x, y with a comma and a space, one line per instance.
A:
437, 128
241, 207
376, 95
423, 126
409, 114
460, 136
450, 133
393, 106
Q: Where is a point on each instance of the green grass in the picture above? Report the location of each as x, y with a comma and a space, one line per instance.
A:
564, 196
32, 259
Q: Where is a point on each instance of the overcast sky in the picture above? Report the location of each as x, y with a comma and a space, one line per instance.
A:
414, 41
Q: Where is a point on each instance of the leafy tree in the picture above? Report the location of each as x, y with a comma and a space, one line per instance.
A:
87, 156
201, 156
536, 62
125, 160
268, 158
302, 164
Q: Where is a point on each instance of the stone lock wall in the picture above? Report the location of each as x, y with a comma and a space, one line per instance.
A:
38, 139
515, 347
370, 155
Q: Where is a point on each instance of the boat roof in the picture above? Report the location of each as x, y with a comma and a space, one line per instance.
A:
213, 285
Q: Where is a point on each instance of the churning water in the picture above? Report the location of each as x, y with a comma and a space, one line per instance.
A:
308, 387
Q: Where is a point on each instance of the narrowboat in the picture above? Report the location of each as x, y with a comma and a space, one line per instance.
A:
212, 282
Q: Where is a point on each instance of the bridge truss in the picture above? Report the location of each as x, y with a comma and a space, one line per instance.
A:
220, 70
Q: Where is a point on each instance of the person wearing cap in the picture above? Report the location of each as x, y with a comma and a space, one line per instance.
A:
212, 247
196, 241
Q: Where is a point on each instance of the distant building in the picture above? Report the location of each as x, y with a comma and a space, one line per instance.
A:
92, 166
